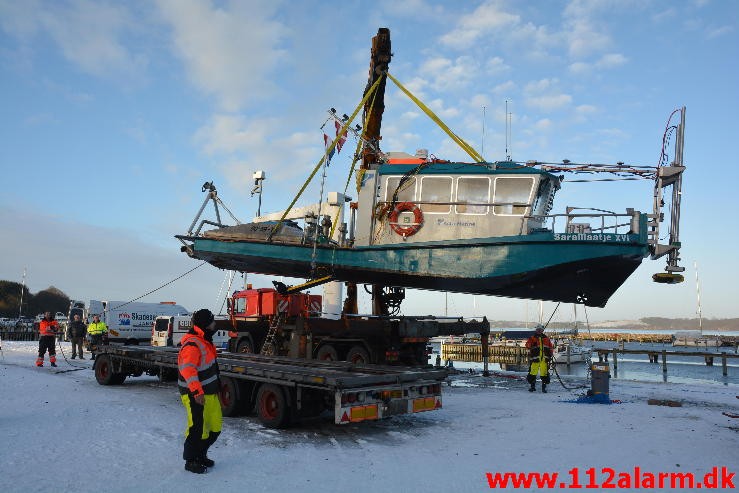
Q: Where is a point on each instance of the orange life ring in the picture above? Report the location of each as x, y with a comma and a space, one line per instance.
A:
411, 229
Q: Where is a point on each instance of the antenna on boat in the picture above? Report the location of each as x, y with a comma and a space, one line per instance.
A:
507, 132
482, 145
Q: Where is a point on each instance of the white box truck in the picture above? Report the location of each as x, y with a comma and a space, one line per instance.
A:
131, 323
168, 331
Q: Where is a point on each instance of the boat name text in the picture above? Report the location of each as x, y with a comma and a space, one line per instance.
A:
604, 237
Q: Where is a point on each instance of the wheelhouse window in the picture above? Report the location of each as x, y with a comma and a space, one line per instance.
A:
512, 195
471, 192
406, 193
436, 194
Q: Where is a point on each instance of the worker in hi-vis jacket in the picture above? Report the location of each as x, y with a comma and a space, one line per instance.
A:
199, 387
540, 354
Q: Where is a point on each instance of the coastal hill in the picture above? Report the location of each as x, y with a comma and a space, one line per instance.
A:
55, 300
642, 324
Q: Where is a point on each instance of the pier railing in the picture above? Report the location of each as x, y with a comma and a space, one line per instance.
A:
654, 356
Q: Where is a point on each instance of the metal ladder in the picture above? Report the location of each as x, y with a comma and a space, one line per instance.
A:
268, 348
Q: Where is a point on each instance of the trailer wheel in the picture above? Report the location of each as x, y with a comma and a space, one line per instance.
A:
104, 371
358, 355
272, 406
245, 346
167, 374
327, 353
230, 397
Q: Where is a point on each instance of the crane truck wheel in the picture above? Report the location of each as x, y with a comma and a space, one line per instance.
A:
104, 371
245, 346
272, 406
358, 355
327, 353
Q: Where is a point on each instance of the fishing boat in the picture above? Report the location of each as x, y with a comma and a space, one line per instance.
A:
479, 227
567, 351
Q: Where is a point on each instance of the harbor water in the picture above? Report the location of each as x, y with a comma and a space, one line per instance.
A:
636, 367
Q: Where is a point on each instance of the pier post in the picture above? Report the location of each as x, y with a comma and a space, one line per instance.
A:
664, 361
568, 355
485, 346
709, 360
724, 370
615, 360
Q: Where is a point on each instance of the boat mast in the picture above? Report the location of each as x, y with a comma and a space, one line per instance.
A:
23, 288
698, 292
374, 107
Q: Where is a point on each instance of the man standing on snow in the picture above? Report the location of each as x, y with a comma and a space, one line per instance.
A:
199, 386
47, 329
97, 331
540, 354
77, 332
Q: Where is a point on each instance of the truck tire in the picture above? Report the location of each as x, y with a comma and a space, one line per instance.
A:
358, 355
104, 371
245, 346
272, 407
230, 397
167, 374
327, 353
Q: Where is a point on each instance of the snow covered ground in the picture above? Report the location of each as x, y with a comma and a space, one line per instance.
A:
63, 432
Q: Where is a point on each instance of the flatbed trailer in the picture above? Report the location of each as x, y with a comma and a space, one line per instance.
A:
284, 390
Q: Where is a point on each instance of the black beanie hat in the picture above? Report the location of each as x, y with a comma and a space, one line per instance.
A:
202, 318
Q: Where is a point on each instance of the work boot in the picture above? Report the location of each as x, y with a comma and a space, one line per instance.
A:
532, 388
544, 388
206, 461
82, 357
195, 466
73, 356
54, 365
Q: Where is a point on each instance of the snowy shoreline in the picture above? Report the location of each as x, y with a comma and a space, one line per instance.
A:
64, 432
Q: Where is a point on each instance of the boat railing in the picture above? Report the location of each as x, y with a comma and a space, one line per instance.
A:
598, 221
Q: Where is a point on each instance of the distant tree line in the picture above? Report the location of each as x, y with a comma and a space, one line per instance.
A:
50, 299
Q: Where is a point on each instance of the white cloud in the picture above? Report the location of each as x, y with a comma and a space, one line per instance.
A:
719, 31
545, 96
483, 21
608, 61
450, 74
611, 60
228, 54
543, 124
505, 88
89, 34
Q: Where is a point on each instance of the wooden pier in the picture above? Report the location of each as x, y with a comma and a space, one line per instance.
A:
509, 355
655, 355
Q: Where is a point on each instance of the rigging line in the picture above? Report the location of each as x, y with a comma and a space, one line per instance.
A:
162, 286
360, 141
228, 290
552, 315
323, 158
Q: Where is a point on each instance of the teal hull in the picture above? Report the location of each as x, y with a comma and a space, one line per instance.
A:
569, 268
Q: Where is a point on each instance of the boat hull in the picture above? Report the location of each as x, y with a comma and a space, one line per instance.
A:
586, 272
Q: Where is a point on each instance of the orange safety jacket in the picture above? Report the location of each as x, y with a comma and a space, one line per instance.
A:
48, 327
539, 346
198, 368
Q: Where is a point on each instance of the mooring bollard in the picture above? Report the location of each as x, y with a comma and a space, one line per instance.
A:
615, 360
664, 361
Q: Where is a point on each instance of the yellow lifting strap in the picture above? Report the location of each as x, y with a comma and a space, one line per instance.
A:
328, 152
464, 145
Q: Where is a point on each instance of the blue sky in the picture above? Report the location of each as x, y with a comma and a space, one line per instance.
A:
115, 113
